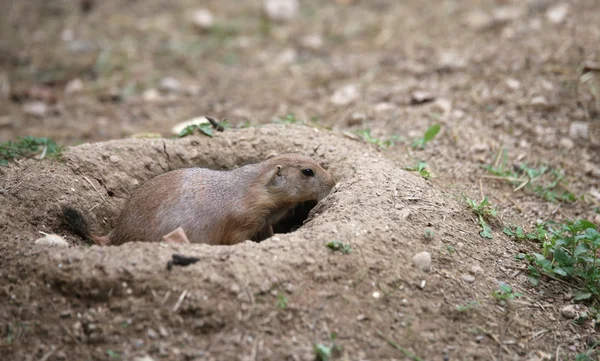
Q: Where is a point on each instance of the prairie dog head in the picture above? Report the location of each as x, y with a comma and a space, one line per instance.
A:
296, 178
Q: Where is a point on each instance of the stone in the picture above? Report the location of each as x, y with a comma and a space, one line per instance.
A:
312, 42
151, 334
170, 85
37, 109
163, 332
74, 86
52, 240
202, 19
513, 84
539, 100
151, 95
480, 148
557, 13
467, 278
281, 10
579, 130
345, 95
421, 96
422, 261
568, 312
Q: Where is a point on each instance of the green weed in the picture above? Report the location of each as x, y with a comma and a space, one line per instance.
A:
430, 133
339, 246
420, 168
113, 355
570, 252
28, 147
484, 210
282, 301
366, 136
429, 234
289, 119
505, 293
548, 184
518, 233
204, 128
325, 352
466, 307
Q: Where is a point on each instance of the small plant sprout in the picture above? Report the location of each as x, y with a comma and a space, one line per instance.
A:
549, 184
28, 147
466, 307
204, 128
326, 352
113, 355
570, 252
504, 293
420, 168
517, 233
282, 301
366, 136
430, 133
339, 246
429, 234
289, 119
484, 210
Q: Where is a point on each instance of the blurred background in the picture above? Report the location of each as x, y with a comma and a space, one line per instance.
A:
88, 70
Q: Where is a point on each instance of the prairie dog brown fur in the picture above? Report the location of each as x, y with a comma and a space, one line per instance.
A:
214, 207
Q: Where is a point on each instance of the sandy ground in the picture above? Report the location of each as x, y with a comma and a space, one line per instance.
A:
498, 76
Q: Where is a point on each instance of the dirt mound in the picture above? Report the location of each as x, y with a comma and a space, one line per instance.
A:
273, 300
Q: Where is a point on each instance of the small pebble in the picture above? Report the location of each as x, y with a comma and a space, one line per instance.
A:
170, 84
573, 348
36, 109
60, 355
420, 97
513, 84
163, 332
479, 338
376, 294
312, 42
579, 130
151, 95
539, 100
53, 240
422, 261
568, 311
151, 334
345, 95
65, 314
467, 278
74, 86
557, 13
281, 10
202, 19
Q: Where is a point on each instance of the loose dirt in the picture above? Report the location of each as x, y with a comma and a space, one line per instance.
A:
500, 75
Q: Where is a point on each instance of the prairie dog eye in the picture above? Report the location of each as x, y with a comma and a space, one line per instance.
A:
308, 172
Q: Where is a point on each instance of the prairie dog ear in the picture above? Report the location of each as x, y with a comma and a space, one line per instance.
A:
274, 173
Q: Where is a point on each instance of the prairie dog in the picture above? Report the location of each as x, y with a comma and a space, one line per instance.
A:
214, 207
